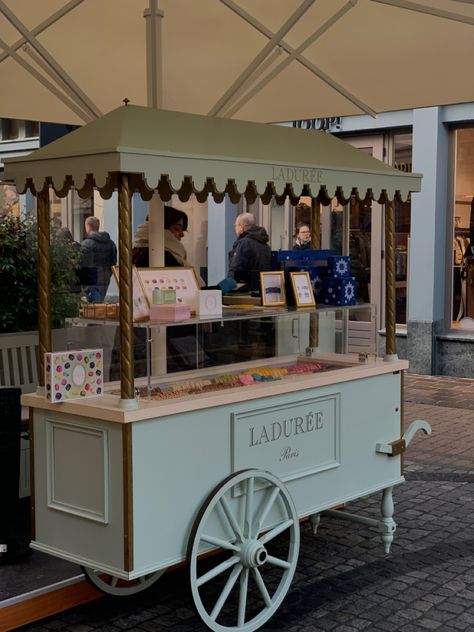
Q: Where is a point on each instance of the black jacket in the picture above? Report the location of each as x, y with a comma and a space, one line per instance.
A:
250, 252
306, 246
98, 255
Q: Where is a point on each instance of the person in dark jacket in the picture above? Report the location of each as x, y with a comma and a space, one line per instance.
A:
250, 252
176, 223
303, 237
98, 255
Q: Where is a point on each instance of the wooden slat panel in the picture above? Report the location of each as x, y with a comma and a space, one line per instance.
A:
50, 603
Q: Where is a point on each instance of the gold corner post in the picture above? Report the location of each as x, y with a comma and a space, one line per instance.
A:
390, 297
127, 386
44, 278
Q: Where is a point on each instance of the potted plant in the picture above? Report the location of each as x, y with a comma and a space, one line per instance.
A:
19, 277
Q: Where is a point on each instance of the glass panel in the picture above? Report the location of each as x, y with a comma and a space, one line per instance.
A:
239, 337
10, 129
463, 233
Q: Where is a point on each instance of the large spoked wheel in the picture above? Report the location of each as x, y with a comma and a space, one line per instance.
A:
250, 519
113, 585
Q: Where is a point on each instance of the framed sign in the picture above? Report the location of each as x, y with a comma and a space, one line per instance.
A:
141, 307
272, 286
302, 289
181, 279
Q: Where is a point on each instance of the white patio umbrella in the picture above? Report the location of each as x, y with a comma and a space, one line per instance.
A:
258, 60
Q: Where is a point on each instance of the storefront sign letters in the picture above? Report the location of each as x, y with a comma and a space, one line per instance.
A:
297, 174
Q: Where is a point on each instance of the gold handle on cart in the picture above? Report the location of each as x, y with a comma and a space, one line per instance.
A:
400, 445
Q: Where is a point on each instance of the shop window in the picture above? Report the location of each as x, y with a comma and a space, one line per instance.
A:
10, 129
463, 231
402, 160
31, 129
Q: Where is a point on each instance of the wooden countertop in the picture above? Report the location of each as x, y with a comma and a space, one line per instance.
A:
107, 407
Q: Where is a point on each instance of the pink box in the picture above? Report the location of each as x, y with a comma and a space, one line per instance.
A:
169, 313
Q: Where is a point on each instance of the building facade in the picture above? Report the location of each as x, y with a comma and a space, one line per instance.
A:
434, 280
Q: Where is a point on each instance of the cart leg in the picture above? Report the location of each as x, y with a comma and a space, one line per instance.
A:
387, 525
314, 520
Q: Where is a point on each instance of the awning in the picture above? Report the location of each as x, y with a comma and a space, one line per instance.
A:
183, 153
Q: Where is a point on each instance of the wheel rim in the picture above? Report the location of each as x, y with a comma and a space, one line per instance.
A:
114, 585
247, 516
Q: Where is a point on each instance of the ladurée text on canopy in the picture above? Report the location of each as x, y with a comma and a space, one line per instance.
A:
285, 428
297, 174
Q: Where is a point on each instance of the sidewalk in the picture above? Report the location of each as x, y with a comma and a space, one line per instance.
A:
344, 582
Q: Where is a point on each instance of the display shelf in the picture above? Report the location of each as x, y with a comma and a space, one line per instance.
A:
231, 312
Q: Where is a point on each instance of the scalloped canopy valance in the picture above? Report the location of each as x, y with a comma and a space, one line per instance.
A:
173, 152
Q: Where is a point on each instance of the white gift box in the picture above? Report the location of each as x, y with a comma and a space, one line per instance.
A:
74, 375
209, 303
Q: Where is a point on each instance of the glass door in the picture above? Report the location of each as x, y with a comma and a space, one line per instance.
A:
357, 231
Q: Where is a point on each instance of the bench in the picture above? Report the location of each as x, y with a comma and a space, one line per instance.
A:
19, 368
19, 360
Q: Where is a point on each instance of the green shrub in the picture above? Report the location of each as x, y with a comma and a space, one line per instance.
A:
19, 275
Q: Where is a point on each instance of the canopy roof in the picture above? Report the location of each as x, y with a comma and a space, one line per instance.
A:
71, 61
189, 153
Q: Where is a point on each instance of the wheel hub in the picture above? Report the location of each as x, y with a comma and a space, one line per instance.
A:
253, 554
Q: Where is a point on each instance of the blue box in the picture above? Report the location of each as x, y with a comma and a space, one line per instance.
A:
336, 291
339, 266
316, 275
283, 258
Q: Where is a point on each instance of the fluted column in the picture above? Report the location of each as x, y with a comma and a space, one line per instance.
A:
127, 385
390, 298
316, 243
44, 279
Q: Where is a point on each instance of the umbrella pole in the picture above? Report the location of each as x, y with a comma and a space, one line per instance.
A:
127, 385
44, 281
390, 296
154, 55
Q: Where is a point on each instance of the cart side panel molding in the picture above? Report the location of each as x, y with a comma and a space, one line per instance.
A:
66, 446
291, 440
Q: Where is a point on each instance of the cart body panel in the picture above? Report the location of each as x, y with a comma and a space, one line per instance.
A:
320, 441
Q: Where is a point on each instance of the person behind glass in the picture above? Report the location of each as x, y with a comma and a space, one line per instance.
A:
140, 246
303, 237
176, 223
250, 252
98, 255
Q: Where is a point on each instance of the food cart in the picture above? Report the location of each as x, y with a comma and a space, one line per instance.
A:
214, 466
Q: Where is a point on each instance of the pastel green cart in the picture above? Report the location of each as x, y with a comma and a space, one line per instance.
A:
128, 494
126, 488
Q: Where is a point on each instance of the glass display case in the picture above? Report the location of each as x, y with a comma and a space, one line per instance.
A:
244, 346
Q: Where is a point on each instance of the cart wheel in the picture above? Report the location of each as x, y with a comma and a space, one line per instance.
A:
113, 585
244, 584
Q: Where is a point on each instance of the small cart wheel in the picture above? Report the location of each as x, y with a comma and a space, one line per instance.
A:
113, 585
250, 522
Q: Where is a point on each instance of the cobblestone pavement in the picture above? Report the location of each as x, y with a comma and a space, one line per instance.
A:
344, 581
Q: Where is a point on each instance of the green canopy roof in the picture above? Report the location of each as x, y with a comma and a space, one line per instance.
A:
176, 146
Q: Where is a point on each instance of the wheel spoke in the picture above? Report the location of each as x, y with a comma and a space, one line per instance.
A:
262, 588
226, 591
277, 562
114, 581
214, 572
223, 544
249, 507
244, 582
231, 518
276, 531
266, 508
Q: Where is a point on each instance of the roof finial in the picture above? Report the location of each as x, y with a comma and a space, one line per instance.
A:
126, 101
